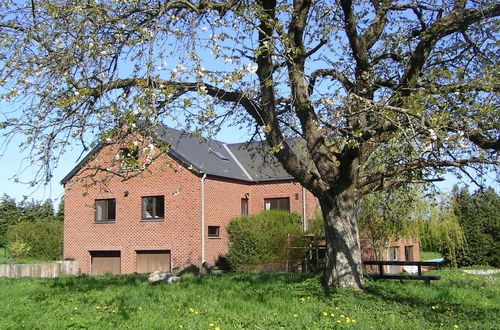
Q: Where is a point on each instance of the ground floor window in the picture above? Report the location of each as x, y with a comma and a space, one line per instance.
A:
282, 203
409, 253
213, 231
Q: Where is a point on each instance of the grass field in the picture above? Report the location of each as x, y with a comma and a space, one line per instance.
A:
249, 301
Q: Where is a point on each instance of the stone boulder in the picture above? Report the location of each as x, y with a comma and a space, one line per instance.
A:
157, 277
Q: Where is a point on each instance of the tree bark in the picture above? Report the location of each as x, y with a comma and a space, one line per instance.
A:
343, 252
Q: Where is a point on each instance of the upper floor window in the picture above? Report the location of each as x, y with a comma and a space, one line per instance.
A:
129, 158
153, 207
282, 203
244, 206
105, 210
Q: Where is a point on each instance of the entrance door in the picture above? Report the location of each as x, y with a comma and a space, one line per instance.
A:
149, 261
394, 256
104, 262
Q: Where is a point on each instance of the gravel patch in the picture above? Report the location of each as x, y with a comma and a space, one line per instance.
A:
481, 271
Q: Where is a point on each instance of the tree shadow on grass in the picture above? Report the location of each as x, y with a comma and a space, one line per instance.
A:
88, 282
435, 301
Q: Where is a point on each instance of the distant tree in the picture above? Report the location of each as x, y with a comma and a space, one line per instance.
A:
60, 211
346, 77
9, 214
479, 216
389, 215
440, 230
33, 210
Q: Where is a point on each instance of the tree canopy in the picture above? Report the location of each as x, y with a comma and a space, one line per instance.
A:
382, 92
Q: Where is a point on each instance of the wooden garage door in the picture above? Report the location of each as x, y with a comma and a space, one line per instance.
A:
153, 260
104, 262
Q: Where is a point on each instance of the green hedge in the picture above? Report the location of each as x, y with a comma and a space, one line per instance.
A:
261, 238
42, 239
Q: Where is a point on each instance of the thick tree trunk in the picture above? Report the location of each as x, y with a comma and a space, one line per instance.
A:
343, 256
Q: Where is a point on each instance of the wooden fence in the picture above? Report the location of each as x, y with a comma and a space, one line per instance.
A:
54, 269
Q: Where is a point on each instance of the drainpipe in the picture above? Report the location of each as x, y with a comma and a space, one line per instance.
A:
304, 214
202, 220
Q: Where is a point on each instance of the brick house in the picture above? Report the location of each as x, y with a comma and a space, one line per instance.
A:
175, 212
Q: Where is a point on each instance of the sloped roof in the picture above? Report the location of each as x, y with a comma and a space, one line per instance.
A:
249, 162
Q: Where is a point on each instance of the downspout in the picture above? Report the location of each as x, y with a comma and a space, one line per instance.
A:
304, 210
202, 216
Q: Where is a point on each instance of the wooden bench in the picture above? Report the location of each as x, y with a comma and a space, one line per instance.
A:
419, 264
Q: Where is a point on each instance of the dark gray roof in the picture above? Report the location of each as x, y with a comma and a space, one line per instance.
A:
207, 156
259, 163
250, 162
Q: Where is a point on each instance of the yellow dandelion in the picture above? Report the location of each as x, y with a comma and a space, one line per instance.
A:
71, 318
332, 315
342, 316
315, 323
97, 307
325, 314
114, 311
339, 321
348, 320
302, 299
295, 315
140, 308
76, 308
217, 328
455, 326
191, 310
212, 325
353, 321
196, 312
181, 326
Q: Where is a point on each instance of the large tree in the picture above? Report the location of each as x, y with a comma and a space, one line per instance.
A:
381, 92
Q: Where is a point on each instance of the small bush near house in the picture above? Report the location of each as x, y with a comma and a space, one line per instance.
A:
18, 248
44, 239
262, 238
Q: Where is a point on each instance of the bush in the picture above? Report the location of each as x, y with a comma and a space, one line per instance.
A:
262, 238
45, 238
18, 248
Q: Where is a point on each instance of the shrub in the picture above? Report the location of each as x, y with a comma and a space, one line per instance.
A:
44, 238
262, 237
18, 248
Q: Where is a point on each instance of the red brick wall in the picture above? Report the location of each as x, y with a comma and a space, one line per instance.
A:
180, 231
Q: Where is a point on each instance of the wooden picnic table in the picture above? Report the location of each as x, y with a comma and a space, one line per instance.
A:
382, 275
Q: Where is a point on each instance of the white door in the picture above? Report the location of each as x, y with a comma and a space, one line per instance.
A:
394, 256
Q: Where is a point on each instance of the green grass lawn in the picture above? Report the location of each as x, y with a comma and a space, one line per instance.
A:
429, 255
248, 301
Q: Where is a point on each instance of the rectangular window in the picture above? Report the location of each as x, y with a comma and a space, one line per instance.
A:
244, 206
213, 231
105, 210
409, 253
277, 204
153, 207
